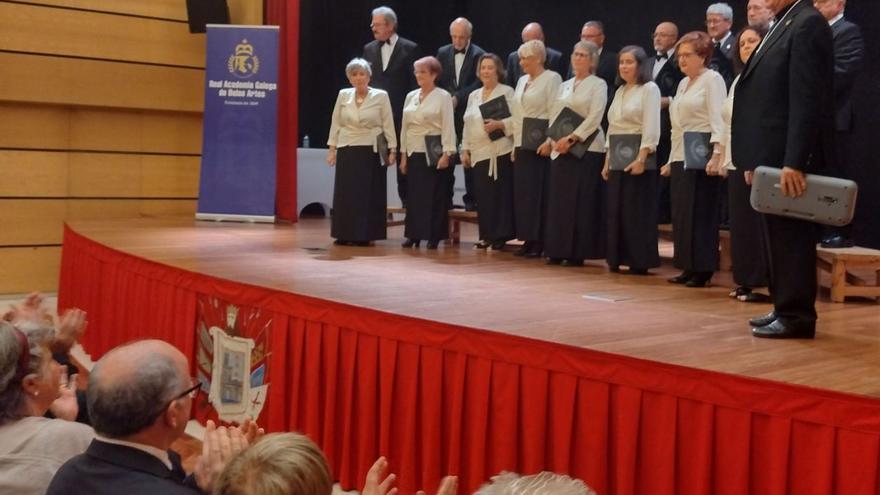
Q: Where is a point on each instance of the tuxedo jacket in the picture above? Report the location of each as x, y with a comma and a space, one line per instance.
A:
849, 52
782, 113
722, 64
553, 62
109, 469
667, 80
467, 80
398, 78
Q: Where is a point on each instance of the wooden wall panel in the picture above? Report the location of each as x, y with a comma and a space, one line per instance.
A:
28, 269
46, 79
34, 126
165, 9
33, 174
133, 176
49, 30
170, 177
31, 221
245, 11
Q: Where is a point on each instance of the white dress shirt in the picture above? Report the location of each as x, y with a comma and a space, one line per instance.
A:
353, 125
387, 49
475, 139
727, 117
659, 64
834, 19
588, 99
459, 61
636, 111
430, 117
533, 99
697, 109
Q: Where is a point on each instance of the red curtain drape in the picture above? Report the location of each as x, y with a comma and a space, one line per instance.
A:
440, 399
285, 13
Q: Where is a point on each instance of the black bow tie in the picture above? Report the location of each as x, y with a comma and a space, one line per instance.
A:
388, 41
660, 56
462, 51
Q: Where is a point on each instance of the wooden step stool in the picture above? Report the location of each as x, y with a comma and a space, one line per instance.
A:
455, 219
838, 262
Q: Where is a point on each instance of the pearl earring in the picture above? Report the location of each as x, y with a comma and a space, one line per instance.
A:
36, 393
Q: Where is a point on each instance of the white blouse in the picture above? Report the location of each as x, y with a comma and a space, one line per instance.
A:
636, 111
429, 117
588, 99
727, 117
697, 109
475, 139
533, 99
358, 126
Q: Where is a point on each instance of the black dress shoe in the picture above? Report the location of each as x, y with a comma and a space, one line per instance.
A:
699, 280
482, 245
498, 246
837, 241
340, 242
637, 271
614, 268
760, 321
573, 262
554, 261
432, 244
523, 249
681, 279
410, 243
779, 330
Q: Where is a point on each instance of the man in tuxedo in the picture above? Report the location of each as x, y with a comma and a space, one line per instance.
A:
391, 58
667, 75
459, 62
140, 399
553, 61
849, 52
759, 16
719, 21
782, 115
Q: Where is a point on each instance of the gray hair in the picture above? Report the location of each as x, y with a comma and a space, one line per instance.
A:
544, 483
467, 23
278, 464
596, 24
533, 48
592, 50
358, 64
39, 336
721, 9
122, 407
388, 14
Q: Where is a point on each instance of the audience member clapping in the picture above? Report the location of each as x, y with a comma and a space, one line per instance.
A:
544, 483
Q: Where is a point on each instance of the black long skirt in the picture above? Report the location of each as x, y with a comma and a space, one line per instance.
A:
530, 185
632, 220
359, 195
495, 200
576, 208
695, 217
747, 238
426, 200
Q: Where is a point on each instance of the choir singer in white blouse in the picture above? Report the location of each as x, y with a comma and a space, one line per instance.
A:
535, 93
632, 192
696, 107
361, 115
427, 111
493, 176
576, 206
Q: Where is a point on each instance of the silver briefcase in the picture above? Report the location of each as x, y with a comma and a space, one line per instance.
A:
827, 200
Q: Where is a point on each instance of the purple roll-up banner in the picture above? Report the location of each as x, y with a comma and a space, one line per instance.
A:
237, 180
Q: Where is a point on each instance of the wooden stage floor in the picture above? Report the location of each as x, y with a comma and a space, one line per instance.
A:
643, 317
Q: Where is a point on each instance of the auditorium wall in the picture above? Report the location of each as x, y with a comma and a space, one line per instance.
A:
101, 105
334, 32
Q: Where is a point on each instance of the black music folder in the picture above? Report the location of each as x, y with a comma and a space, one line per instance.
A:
697, 150
534, 133
433, 149
566, 122
496, 109
624, 149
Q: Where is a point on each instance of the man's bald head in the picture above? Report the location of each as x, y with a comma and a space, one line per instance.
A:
665, 36
133, 385
532, 31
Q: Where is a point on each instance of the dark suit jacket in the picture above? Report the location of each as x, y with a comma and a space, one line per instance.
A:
721, 64
398, 78
553, 62
782, 106
467, 81
726, 47
849, 51
667, 80
108, 469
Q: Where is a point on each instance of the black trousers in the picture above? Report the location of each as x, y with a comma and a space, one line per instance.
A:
791, 245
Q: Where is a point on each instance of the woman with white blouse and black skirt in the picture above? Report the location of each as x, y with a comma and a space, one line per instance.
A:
696, 107
576, 205
632, 192
427, 111
535, 93
490, 159
360, 116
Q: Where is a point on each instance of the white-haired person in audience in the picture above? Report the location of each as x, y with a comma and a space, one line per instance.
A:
544, 483
140, 400
33, 447
534, 96
360, 117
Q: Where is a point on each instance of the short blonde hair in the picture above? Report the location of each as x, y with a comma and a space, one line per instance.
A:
533, 48
278, 464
